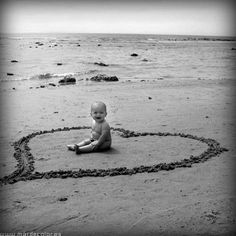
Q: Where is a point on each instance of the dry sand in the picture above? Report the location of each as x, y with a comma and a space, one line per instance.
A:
186, 201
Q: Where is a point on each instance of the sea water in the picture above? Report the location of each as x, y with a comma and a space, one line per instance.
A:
52, 56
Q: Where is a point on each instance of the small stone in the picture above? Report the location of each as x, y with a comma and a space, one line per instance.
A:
39, 43
102, 77
100, 64
62, 199
67, 80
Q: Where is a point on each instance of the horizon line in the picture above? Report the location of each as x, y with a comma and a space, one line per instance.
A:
160, 34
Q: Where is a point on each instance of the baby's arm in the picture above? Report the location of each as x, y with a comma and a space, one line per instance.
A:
103, 137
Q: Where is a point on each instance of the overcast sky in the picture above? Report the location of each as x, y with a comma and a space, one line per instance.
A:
191, 17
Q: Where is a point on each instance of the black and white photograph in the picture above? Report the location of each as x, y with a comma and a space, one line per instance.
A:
117, 118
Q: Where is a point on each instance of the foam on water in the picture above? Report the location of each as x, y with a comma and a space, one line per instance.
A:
51, 75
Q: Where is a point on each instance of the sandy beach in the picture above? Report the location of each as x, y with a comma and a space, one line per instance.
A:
166, 72
198, 200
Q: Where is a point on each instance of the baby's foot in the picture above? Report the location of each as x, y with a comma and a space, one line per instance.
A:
71, 147
77, 150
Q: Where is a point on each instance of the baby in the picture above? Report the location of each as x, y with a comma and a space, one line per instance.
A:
100, 135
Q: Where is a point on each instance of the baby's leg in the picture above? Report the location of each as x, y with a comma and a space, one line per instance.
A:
105, 146
91, 148
83, 143
84, 149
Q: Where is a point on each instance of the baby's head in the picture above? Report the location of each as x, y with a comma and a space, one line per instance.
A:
98, 111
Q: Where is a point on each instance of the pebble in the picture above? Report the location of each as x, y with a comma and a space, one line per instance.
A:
103, 77
100, 64
62, 199
67, 80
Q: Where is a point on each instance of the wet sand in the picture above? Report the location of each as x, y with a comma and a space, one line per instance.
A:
197, 200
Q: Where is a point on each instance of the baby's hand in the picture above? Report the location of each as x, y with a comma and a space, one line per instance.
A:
94, 143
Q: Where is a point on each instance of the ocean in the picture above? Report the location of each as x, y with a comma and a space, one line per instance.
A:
52, 56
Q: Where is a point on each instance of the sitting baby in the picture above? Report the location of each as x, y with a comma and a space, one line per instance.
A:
100, 135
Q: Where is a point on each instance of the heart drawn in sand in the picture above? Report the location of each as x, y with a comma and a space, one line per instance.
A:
25, 159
